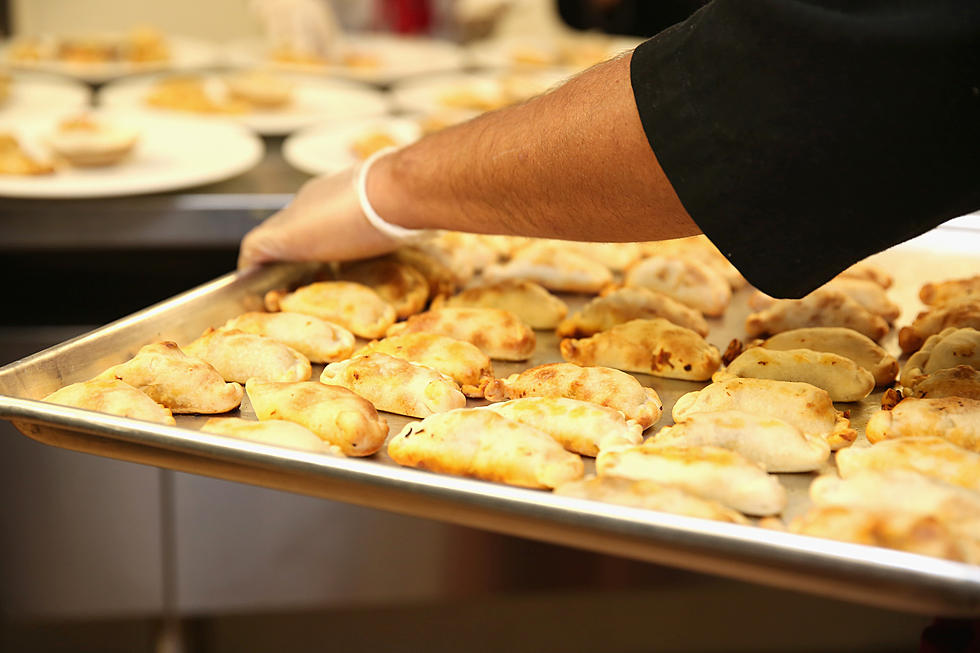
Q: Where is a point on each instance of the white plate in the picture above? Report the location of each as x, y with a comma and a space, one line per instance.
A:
185, 54
172, 153
34, 93
327, 148
315, 100
397, 57
428, 94
528, 53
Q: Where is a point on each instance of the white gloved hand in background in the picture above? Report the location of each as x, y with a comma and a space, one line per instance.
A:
308, 26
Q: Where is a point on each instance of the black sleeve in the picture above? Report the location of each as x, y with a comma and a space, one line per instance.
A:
804, 136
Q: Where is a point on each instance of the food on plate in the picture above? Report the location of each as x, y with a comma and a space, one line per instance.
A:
440, 277
84, 141
649, 495
259, 88
942, 351
334, 414
114, 397
399, 284
361, 60
962, 313
485, 445
931, 456
141, 45
15, 160
191, 93
173, 379
396, 385
372, 141
841, 341
868, 271
821, 308
276, 432
625, 304
842, 378
600, 385
498, 333
6, 81
354, 306
580, 426
709, 472
530, 302
805, 406
654, 346
461, 361
956, 419
295, 57
554, 267
767, 441
689, 281
319, 340
698, 248
959, 381
240, 356
937, 293
474, 98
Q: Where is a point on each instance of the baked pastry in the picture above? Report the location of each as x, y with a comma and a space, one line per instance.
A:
395, 385
534, 305
599, 385
370, 142
689, 281
500, 334
276, 432
956, 419
962, 313
399, 284
114, 397
173, 379
85, 142
944, 350
841, 341
767, 441
353, 306
649, 495
866, 293
615, 256
463, 250
953, 290
461, 361
554, 267
959, 381
805, 406
240, 356
709, 472
334, 414
318, 340
579, 426
485, 445
191, 93
869, 272
625, 304
697, 248
14, 160
821, 308
259, 88
842, 378
655, 346
439, 276
931, 456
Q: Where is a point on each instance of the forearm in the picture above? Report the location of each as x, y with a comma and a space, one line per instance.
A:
573, 163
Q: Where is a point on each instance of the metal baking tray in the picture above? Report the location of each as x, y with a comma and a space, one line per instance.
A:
869, 575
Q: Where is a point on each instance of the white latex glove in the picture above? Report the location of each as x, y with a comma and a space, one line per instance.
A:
303, 25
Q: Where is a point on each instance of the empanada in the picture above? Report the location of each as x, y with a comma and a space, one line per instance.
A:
625, 304
615, 256
841, 341
114, 397
353, 306
533, 304
697, 248
821, 308
767, 441
554, 267
929, 455
599, 385
960, 314
805, 406
942, 351
709, 472
869, 272
842, 378
654, 346
483, 444
959, 381
498, 333
180, 382
866, 293
649, 495
437, 274
689, 281
276, 432
334, 414
399, 284
240, 356
318, 340
461, 361
953, 290
580, 426
956, 419
396, 385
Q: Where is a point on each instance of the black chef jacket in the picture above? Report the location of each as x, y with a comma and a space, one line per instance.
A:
802, 136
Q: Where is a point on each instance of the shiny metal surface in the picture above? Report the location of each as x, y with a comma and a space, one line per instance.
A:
843, 571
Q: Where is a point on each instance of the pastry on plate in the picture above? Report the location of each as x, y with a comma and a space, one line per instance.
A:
240, 356
530, 302
821, 308
15, 160
399, 284
370, 142
191, 93
625, 304
319, 340
114, 397
689, 281
952, 290
261, 89
931, 456
276, 432
956, 419
942, 351
498, 333
841, 341
353, 306
554, 267
960, 313
84, 141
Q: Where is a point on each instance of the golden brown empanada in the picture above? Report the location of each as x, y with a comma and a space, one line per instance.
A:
929, 455
942, 351
655, 346
625, 304
600, 385
240, 356
319, 340
956, 419
173, 379
353, 306
111, 396
615, 256
698, 248
530, 302
440, 278
554, 267
959, 381
689, 281
485, 445
500, 334
841, 341
869, 272
334, 414
866, 293
276, 432
821, 308
953, 290
960, 314
399, 284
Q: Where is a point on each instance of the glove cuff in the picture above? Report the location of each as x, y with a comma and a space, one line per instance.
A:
393, 231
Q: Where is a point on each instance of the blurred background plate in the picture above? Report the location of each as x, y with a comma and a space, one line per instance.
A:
31, 93
329, 148
571, 52
476, 92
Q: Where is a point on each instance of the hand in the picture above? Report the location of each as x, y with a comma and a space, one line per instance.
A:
324, 222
